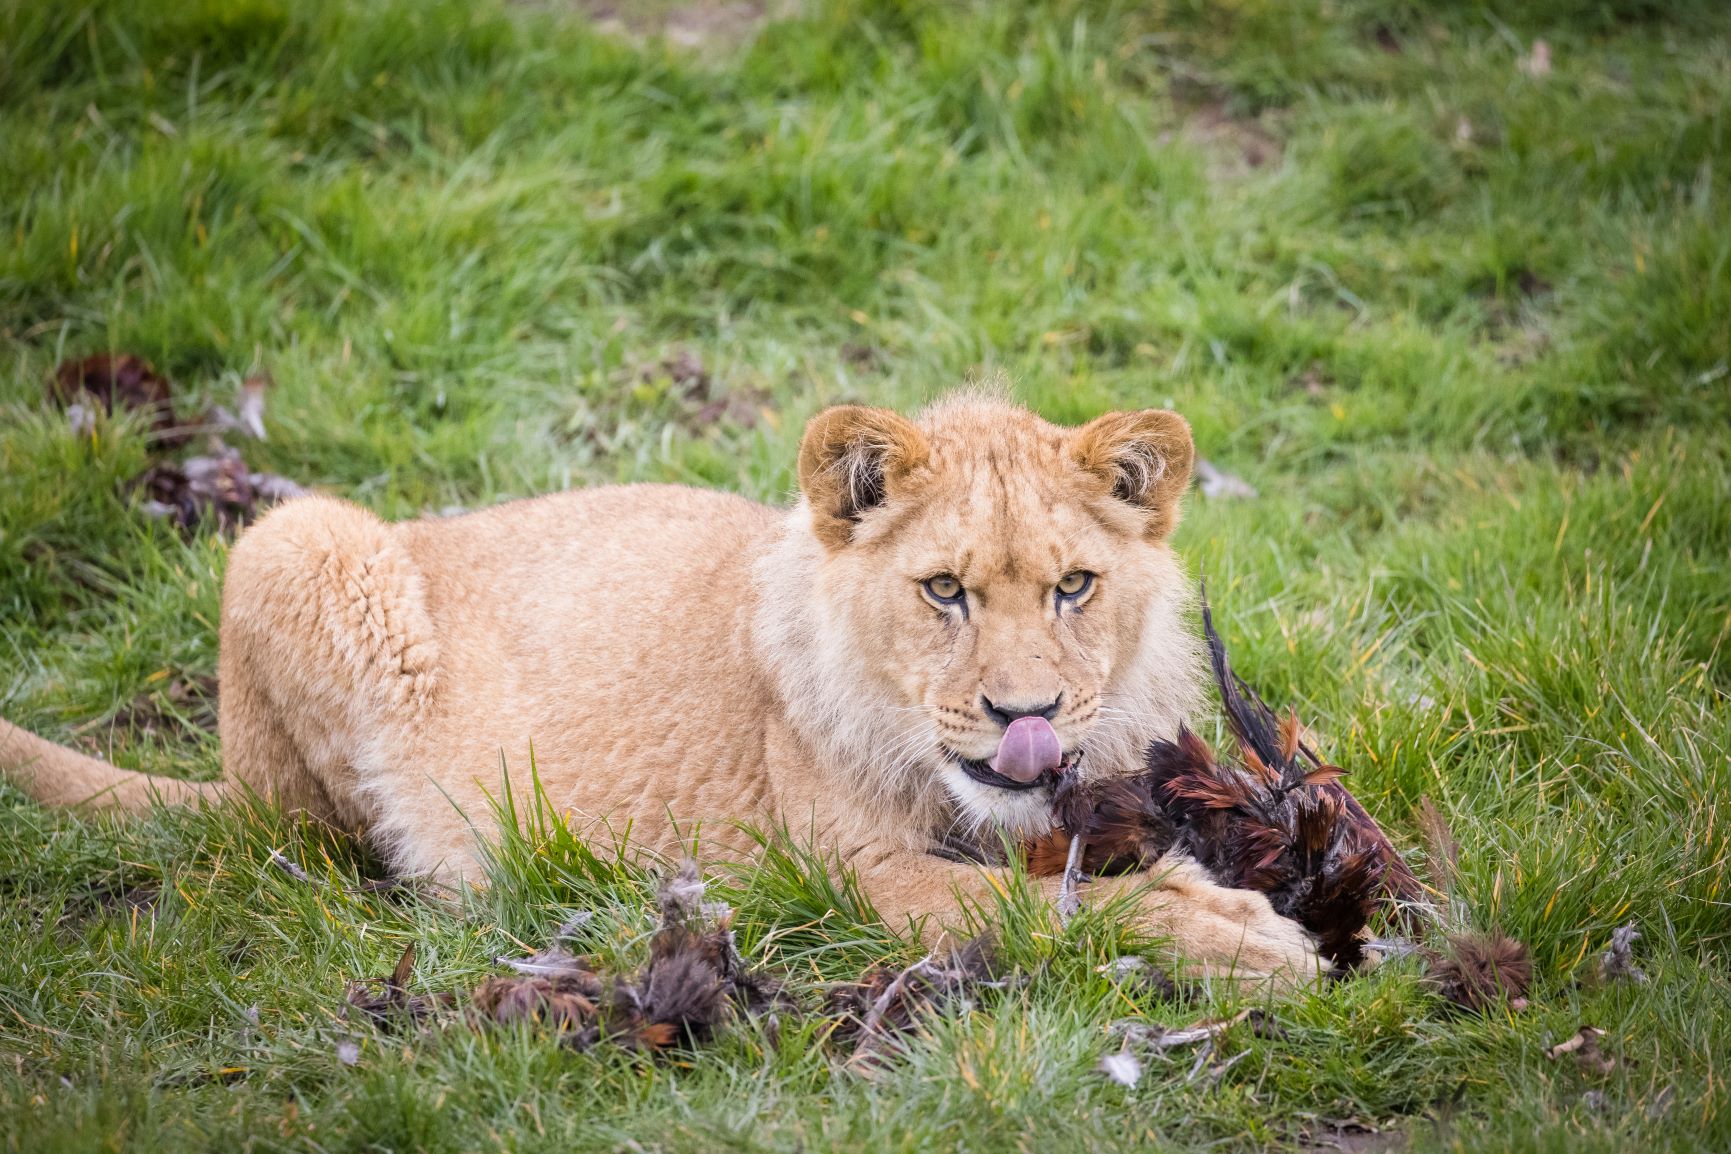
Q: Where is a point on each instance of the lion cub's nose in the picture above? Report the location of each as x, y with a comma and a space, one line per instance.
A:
1004, 714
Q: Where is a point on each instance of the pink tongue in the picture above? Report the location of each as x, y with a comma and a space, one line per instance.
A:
1029, 748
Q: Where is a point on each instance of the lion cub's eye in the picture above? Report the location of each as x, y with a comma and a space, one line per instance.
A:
1073, 585
944, 589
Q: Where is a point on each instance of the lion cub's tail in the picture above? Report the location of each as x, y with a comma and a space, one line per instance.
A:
55, 775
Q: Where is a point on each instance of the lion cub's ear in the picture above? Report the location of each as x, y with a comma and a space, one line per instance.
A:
1144, 456
850, 461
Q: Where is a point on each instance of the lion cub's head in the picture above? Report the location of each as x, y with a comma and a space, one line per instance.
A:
972, 603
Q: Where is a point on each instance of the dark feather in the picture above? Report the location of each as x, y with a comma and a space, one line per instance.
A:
387, 1003
1341, 902
1251, 722
686, 991
120, 382
1124, 826
561, 1005
876, 1013
1442, 852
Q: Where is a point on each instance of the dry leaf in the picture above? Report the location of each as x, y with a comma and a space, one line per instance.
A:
1589, 1056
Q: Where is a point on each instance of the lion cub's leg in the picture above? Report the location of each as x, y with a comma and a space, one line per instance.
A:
1224, 932
258, 751
330, 676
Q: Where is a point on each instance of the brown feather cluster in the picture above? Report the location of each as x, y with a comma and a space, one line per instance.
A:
120, 382
876, 1012
1275, 818
1477, 970
694, 976
387, 1003
214, 489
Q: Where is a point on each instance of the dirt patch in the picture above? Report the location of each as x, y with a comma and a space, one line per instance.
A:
1353, 1137
701, 26
1235, 145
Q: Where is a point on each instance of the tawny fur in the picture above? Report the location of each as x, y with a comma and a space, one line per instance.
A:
675, 656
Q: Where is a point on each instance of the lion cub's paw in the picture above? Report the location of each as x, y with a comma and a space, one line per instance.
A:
1236, 934
1283, 952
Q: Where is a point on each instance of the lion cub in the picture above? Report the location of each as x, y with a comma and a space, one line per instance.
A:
959, 608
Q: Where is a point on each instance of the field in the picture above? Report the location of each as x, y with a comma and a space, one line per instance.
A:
1448, 284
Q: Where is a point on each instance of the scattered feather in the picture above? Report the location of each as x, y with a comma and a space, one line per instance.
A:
247, 416
552, 962
1215, 1070
694, 979
703, 402
879, 1011
217, 490
1217, 484
1442, 851
1068, 903
1165, 1038
1537, 62
81, 418
1387, 949
1123, 1067
1617, 963
186, 705
385, 885
576, 925
566, 1003
289, 867
1137, 976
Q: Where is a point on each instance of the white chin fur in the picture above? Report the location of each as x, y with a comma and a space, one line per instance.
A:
1020, 813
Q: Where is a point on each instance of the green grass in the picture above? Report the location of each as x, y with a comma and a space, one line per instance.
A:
1468, 331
